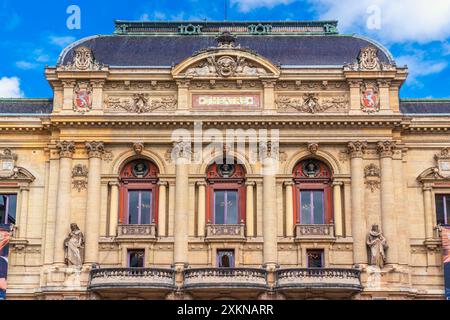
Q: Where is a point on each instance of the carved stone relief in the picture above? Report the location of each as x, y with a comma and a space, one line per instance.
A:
140, 85
372, 177
82, 100
368, 61
370, 97
312, 103
311, 85
80, 177
140, 103
83, 60
8, 164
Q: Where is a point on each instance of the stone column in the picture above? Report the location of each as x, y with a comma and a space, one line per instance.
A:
63, 206
162, 205
95, 151
250, 209
356, 151
182, 155
23, 217
337, 205
428, 210
114, 209
388, 215
270, 229
201, 208
289, 208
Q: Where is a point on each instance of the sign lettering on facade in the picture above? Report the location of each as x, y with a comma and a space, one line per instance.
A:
226, 101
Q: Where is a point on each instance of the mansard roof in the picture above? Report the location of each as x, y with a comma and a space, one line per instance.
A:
165, 44
26, 106
425, 106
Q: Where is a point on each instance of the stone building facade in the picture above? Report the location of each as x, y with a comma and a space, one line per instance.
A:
109, 200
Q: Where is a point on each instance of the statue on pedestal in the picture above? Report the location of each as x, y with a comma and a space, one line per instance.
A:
74, 247
377, 247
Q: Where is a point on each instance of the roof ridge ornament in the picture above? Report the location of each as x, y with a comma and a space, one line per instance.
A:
83, 60
226, 40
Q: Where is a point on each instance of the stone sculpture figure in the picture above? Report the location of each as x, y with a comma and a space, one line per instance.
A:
74, 247
377, 247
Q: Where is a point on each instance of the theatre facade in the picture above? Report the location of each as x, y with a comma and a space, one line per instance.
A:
225, 160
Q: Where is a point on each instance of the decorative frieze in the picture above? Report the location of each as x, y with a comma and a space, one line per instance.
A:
140, 103
372, 176
299, 85
140, 86
80, 177
312, 103
66, 148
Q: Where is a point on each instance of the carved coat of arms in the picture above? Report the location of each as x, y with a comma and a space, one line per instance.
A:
370, 99
83, 98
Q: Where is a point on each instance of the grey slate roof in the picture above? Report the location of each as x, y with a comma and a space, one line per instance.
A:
422, 106
26, 106
169, 50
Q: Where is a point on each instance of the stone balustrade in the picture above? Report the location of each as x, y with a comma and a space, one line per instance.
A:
133, 232
225, 231
314, 231
225, 278
140, 278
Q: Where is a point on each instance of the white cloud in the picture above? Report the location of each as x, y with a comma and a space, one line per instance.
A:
10, 88
61, 41
401, 20
419, 67
25, 65
248, 5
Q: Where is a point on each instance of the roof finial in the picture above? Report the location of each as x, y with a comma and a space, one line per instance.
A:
226, 40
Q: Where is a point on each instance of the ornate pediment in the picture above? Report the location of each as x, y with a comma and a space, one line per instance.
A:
442, 169
9, 170
226, 60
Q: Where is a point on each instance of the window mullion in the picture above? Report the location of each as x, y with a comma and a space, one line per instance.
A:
444, 200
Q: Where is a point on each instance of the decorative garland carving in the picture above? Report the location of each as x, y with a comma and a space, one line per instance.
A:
80, 177
141, 103
311, 103
372, 176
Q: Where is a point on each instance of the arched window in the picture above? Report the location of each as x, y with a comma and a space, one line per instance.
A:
139, 193
312, 193
225, 194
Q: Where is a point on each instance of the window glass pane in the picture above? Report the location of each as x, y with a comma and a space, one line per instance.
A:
3, 201
136, 258
232, 207
12, 205
440, 215
133, 207
305, 207
146, 207
219, 207
318, 207
315, 258
225, 258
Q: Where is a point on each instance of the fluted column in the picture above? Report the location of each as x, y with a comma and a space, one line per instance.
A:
270, 229
428, 211
162, 205
23, 217
250, 209
114, 209
289, 208
95, 150
337, 205
201, 208
63, 206
182, 155
356, 151
388, 217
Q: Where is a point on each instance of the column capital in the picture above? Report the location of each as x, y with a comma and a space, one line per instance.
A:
288, 183
114, 183
184, 84
356, 149
69, 83
355, 83
269, 83
182, 150
98, 83
386, 148
163, 183
337, 183
66, 148
95, 149
269, 149
201, 183
383, 83
427, 187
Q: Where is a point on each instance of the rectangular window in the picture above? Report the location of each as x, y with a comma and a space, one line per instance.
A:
8, 207
315, 258
225, 258
443, 208
226, 207
312, 208
136, 258
140, 207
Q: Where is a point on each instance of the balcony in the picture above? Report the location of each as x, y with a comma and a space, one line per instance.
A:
114, 282
225, 232
136, 232
314, 231
330, 283
247, 282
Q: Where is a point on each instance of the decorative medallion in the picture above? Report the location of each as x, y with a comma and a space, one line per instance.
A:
313, 148
370, 99
83, 97
226, 170
79, 177
310, 168
7, 163
140, 169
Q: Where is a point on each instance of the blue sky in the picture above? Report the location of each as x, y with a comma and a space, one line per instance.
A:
417, 32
